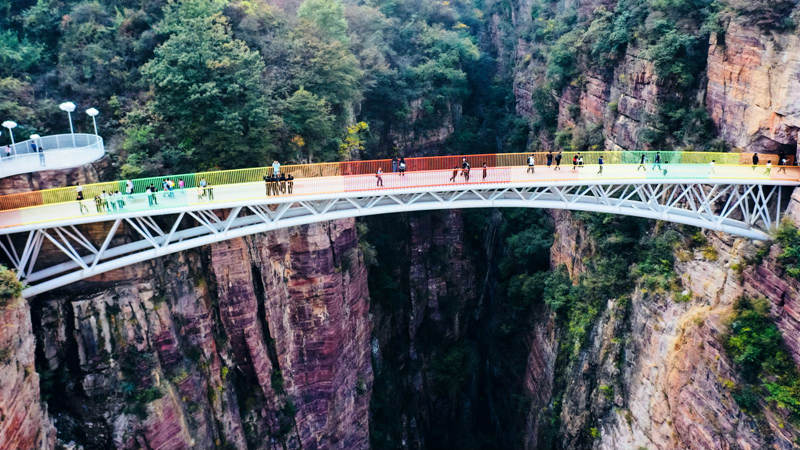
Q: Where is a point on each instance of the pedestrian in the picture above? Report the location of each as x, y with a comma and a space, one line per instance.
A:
79, 189
665, 167
549, 159
782, 163
282, 181
558, 161
290, 183
531, 164
580, 160
379, 177
201, 192
80, 199
210, 191
465, 168
455, 174
8, 151
104, 199
466, 173
41, 157
713, 163
33, 147
129, 189
769, 167
267, 181
574, 161
120, 201
600, 163
394, 164
152, 197
755, 160
171, 186
112, 200
180, 183
276, 168
641, 163
402, 166
98, 203
484, 171
274, 184
657, 161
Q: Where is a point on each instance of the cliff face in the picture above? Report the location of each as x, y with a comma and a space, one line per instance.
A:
24, 422
47, 179
256, 342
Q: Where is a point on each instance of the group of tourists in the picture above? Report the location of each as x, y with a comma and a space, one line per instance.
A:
277, 182
34, 149
103, 202
783, 161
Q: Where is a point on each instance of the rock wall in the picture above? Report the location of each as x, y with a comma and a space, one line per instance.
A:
254, 343
99, 170
24, 422
752, 88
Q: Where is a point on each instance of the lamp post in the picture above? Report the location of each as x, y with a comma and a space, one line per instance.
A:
10, 124
69, 107
93, 112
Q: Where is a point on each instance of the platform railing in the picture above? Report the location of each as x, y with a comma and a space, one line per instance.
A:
60, 151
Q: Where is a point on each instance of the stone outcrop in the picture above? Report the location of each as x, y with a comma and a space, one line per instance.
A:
250, 343
24, 422
752, 88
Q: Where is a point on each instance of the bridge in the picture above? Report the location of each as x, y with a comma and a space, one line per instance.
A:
61, 151
52, 240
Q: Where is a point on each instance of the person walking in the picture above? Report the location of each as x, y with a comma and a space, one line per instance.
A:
276, 168
129, 189
465, 168
112, 199
769, 167
600, 163
41, 157
180, 183
549, 159
665, 167
580, 160
574, 161
783, 162
755, 160
120, 200
402, 166
104, 198
290, 183
455, 174
484, 171
79, 189
531, 164
153, 198
201, 193
80, 199
558, 161
642, 160
210, 191
379, 177
394, 164
657, 161
713, 163
466, 173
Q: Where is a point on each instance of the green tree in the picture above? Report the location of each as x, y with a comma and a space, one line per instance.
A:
328, 15
308, 116
209, 87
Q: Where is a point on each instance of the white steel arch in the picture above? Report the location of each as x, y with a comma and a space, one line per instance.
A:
743, 208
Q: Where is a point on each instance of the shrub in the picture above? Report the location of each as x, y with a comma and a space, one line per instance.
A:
10, 287
789, 239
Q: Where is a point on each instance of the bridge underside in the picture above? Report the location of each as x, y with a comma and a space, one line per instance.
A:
55, 255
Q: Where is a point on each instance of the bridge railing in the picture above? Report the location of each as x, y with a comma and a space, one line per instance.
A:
239, 176
60, 151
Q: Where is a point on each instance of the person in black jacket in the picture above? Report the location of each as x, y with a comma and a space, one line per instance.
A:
755, 160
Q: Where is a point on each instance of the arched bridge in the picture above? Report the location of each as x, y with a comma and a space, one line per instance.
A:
53, 240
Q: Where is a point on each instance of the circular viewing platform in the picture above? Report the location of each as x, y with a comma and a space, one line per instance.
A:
61, 151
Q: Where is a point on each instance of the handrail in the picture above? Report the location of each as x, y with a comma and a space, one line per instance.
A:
59, 153
250, 175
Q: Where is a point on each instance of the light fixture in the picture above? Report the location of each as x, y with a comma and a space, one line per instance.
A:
69, 108
10, 124
93, 112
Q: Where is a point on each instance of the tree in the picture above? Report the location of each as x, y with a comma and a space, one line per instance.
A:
209, 88
308, 119
328, 15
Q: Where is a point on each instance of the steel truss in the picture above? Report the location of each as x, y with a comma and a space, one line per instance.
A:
748, 210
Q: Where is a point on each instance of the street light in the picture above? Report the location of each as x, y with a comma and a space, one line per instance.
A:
69, 107
93, 112
10, 124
